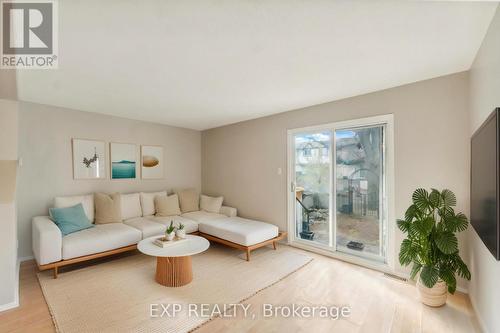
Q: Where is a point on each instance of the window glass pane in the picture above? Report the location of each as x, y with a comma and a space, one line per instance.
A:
312, 186
359, 187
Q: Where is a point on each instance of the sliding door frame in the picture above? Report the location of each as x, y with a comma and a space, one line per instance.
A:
388, 198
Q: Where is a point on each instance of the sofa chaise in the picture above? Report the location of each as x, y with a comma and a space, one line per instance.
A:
53, 250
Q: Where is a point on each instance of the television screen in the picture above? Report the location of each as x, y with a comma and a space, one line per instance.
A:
484, 183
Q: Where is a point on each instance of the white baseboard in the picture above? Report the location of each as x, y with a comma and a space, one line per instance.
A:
21, 259
9, 306
15, 303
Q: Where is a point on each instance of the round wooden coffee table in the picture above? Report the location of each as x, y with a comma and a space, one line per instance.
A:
173, 263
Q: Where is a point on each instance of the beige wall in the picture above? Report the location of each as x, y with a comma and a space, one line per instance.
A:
8, 239
45, 134
484, 97
240, 161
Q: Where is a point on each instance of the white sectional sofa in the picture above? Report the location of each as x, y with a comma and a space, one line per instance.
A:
52, 249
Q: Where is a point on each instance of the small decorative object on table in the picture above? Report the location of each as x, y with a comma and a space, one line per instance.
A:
170, 232
180, 232
163, 242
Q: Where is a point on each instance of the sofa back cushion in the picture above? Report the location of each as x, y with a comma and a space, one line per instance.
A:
70, 219
167, 206
211, 204
87, 202
131, 206
148, 202
107, 208
189, 200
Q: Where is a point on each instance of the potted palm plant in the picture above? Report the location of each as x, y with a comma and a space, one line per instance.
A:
431, 245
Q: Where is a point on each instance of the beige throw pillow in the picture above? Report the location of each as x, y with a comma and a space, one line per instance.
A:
148, 202
167, 206
211, 204
189, 200
107, 208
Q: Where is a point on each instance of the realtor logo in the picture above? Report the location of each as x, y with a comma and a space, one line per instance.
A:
29, 34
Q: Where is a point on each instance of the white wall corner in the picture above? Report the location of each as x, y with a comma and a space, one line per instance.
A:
480, 320
15, 303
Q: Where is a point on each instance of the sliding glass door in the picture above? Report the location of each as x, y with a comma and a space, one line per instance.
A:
338, 197
359, 191
312, 186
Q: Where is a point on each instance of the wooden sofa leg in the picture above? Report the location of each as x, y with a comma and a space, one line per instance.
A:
55, 272
248, 255
274, 245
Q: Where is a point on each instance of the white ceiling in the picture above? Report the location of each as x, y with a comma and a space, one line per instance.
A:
203, 64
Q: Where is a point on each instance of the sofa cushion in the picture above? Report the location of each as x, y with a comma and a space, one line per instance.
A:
87, 202
189, 225
202, 216
148, 203
70, 219
211, 204
189, 200
167, 206
107, 208
239, 230
130, 206
147, 227
103, 237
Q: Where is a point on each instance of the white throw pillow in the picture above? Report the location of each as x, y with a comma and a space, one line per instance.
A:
148, 202
87, 202
167, 206
211, 204
131, 206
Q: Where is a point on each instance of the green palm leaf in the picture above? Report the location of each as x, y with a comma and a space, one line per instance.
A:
407, 252
421, 199
447, 242
429, 276
403, 225
415, 269
435, 198
446, 212
462, 269
460, 222
423, 227
448, 276
449, 199
411, 213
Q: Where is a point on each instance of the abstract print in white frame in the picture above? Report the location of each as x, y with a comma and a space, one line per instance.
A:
89, 159
123, 160
152, 162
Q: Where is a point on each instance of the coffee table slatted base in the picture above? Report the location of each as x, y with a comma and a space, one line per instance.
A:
174, 271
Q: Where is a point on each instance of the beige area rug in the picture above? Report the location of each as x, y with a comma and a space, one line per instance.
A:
116, 296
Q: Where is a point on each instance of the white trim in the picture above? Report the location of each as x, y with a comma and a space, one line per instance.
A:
377, 266
333, 187
15, 303
368, 121
388, 121
21, 259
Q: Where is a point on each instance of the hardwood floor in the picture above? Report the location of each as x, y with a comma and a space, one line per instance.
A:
33, 314
378, 304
